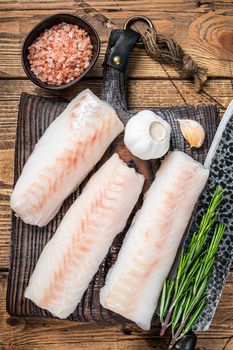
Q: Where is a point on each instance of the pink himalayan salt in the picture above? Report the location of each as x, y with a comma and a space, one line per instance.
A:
60, 54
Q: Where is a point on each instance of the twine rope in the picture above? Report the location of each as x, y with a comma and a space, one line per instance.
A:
167, 50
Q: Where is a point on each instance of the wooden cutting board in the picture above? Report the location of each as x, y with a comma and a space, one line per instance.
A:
27, 242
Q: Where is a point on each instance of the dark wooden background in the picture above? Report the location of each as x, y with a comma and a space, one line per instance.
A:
205, 30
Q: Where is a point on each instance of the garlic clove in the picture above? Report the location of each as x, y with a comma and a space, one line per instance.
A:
192, 131
147, 135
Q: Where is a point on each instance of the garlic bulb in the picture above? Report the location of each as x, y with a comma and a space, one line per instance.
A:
147, 136
192, 131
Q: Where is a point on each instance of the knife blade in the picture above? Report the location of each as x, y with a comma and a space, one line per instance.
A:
220, 162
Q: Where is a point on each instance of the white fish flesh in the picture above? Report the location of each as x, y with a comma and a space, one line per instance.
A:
72, 257
134, 284
70, 147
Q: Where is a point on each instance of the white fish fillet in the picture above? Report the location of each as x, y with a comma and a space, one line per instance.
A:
134, 284
64, 155
71, 258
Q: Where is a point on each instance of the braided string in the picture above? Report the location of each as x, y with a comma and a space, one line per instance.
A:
166, 50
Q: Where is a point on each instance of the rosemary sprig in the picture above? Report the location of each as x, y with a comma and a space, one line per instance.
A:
183, 298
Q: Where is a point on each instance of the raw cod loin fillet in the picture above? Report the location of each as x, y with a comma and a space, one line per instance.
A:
70, 147
71, 258
134, 284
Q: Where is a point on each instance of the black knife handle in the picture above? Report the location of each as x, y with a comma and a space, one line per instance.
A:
188, 342
122, 50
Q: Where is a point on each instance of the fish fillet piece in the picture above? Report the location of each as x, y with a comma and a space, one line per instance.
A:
134, 284
72, 257
70, 147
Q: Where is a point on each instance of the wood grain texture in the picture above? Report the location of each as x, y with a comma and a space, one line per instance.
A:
207, 26
207, 22
38, 333
142, 94
27, 242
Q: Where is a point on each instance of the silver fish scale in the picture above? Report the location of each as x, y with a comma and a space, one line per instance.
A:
221, 174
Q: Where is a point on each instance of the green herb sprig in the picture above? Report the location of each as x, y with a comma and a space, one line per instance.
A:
184, 298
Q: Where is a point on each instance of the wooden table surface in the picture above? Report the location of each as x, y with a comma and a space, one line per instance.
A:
205, 30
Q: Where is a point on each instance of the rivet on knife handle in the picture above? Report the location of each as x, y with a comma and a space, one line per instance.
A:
120, 52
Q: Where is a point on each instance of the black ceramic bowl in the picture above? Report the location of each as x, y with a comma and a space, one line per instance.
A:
48, 23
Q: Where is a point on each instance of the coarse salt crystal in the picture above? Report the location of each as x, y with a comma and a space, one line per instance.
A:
60, 54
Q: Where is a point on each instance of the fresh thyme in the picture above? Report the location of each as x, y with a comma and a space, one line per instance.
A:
184, 298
